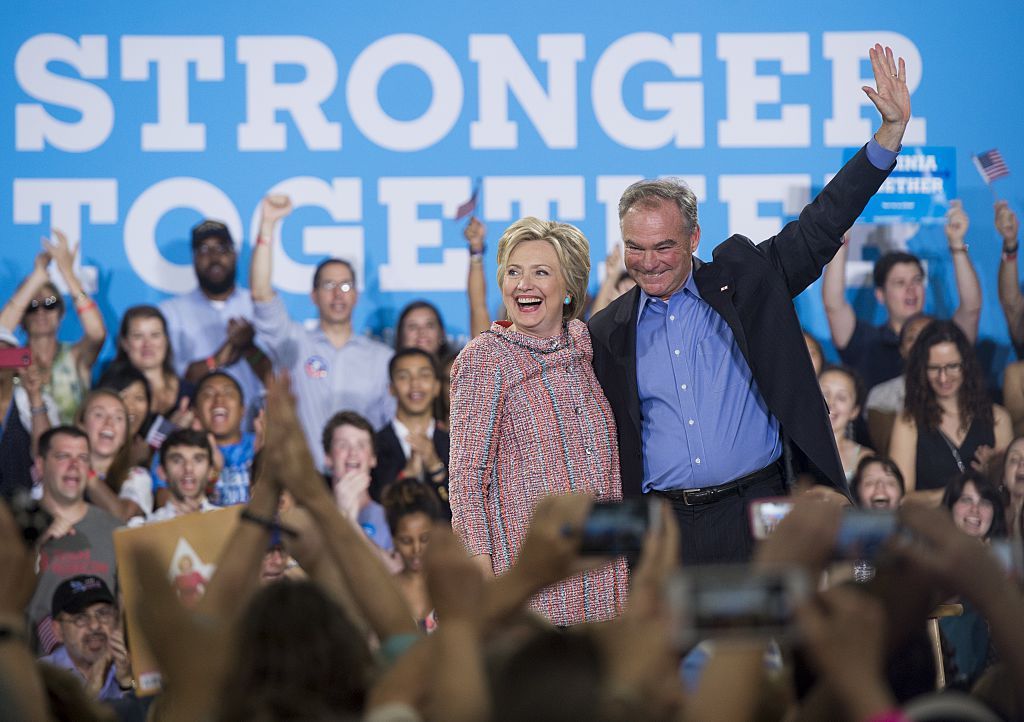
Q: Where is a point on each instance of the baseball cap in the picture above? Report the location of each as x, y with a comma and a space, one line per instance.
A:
78, 593
209, 228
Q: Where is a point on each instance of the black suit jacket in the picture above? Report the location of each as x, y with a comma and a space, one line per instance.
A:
752, 287
391, 460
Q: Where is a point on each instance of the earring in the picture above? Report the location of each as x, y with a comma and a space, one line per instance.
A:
568, 299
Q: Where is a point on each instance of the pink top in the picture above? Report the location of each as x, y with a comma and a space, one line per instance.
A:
528, 419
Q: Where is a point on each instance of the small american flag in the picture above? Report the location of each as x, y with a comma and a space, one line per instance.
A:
991, 165
469, 206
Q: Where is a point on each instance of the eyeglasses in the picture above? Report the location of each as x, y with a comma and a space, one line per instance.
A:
214, 249
948, 369
105, 616
331, 286
48, 303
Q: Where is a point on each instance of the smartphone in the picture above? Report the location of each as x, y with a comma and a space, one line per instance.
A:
615, 528
863, 532
736, 600
765, 515
15, 358
32, 519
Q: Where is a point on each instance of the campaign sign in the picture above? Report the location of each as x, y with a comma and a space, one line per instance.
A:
918, 191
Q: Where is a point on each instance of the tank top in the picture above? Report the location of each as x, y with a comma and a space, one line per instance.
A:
936, 462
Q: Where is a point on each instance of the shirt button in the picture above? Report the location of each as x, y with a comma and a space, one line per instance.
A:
690, 422
671, 318
588, 451
683, 387
677, 352
697, 460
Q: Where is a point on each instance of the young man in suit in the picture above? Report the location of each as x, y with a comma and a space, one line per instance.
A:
411, 445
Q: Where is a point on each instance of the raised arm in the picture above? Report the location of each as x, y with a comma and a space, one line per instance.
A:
890, 95
968, 312
291, 464
14, 309
94, 332
612, 271
272, 210
1010, 297
841, 318
476, 285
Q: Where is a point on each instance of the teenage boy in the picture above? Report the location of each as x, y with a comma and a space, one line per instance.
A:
349, 456
186, 467
411, 445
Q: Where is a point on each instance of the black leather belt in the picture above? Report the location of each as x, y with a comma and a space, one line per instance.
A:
709, 494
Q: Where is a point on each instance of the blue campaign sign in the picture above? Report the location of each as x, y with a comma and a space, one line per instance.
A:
126, 123
918, 190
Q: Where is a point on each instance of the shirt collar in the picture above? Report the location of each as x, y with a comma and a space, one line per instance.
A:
402, 432
689, 286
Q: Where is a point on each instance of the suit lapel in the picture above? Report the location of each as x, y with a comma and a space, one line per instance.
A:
718, 291
623, 343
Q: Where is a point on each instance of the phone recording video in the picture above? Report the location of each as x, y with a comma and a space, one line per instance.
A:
719, 602
615, 528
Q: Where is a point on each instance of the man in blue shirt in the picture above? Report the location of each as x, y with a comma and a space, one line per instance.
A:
87, 623
704, 364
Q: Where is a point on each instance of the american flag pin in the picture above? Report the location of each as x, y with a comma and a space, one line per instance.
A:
724, 288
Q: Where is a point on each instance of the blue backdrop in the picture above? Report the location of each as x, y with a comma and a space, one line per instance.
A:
125, 123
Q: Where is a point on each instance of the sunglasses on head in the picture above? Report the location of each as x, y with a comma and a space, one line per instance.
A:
47, 303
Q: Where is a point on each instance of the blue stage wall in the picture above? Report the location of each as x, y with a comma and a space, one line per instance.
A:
125, 123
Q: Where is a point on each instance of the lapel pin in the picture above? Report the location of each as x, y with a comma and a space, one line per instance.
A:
724, 288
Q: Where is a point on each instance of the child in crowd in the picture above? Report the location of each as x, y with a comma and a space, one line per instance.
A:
412, 510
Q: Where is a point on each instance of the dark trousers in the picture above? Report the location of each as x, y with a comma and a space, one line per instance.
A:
719, 532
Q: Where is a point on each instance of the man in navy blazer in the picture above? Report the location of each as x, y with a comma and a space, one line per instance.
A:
704, 364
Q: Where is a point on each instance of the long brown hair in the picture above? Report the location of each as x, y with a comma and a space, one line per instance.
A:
972, 400
122, 462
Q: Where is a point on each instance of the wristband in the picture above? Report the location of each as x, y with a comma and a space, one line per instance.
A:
438, 470
85, 306
477, 254
211, 363
262, 240
959, 249
37, 410
270, 524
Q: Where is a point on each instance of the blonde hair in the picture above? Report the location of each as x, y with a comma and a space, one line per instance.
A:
571, 247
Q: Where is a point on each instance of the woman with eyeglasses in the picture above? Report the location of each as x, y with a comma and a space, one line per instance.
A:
64, 367
949, 424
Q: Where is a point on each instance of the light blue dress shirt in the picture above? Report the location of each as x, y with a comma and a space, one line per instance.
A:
704, 420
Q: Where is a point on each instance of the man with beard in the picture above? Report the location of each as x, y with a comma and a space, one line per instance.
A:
86, 622
211, 326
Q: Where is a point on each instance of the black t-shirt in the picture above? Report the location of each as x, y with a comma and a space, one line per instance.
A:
874, 353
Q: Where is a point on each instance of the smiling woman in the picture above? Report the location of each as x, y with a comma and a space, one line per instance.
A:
529, 419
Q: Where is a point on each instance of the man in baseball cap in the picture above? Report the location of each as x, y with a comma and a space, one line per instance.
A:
86, 620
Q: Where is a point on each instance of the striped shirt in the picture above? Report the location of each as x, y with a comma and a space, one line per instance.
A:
529, 419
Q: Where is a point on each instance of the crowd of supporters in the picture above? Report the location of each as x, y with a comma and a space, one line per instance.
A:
343, 593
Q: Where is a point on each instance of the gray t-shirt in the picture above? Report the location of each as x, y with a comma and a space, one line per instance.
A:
90, 550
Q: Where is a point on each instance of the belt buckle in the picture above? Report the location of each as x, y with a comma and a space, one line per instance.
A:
692, 497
